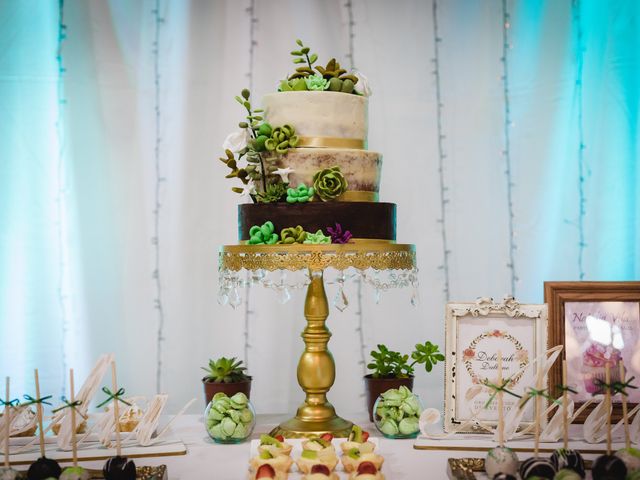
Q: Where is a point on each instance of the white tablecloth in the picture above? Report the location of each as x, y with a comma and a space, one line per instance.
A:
208, 460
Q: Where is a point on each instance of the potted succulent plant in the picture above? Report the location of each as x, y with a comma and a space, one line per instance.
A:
226, 375
392, 369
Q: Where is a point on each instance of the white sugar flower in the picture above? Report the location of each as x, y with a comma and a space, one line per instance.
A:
362, 86
248, 189
236, 141
284, 173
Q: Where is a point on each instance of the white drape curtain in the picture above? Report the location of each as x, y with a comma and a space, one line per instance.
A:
78, 175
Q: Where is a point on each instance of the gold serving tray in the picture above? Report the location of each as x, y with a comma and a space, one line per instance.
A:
466, 468
142, 473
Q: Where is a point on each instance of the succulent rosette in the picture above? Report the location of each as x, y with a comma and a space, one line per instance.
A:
338, 235
293, 235
329, 183
302, 194
229, 419
263, 234
316, 82
317, 238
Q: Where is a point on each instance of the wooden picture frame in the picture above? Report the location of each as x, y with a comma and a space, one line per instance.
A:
558, 296
474, 333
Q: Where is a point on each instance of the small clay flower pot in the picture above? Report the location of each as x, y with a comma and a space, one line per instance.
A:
211, 388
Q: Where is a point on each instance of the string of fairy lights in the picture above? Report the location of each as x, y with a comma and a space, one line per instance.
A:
253, 20
158, 20
441, 155
358, 280
506, 152
61, 223
579, 49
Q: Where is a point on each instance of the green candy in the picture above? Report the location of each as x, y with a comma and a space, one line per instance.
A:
229, 418
317, 238
397, 412
329, 183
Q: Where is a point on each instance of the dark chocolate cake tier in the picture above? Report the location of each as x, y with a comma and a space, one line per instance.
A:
363, 219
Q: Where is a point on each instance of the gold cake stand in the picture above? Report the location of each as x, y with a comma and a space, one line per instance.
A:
316, 368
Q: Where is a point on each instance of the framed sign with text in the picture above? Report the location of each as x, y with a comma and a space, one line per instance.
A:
598, 323
475, 333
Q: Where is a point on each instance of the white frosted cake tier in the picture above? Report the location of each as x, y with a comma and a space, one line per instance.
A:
320, 117
361, 168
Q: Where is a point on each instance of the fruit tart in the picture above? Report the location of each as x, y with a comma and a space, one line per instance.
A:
280, 463
354, 457
366, 471
266, 471
309, 458
358, 438
320, 472
274, 445
320, 443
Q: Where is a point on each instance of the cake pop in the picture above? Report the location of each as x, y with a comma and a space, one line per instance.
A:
75, 472
537, 467
567, 474
118, 467
500, 459
568, 460
6, 472
608, 466
43, 467
629, 455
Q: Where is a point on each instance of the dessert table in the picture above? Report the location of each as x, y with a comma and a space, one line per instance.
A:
208, 460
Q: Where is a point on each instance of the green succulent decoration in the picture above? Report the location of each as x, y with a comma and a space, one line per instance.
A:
391, 364
293, 235
302, 194
329, 183
275, 192
259, 235
317, 238
311, 77
261, 145
225, 370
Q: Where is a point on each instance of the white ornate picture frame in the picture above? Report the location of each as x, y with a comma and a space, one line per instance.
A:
475, 332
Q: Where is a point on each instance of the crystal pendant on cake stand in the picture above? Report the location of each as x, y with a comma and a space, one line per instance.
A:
316, 368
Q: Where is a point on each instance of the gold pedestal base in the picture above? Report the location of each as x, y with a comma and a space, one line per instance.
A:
316, 368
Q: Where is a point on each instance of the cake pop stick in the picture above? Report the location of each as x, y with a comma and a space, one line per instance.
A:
116, 410
627, 436
537, 399
607, 398
565, 405
74, 443
500, 403
39, 413
7, 425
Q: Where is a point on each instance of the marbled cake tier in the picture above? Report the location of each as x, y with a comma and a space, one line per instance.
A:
361, 168
323, 116
363, 219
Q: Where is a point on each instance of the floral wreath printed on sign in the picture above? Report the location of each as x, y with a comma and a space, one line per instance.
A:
469, 354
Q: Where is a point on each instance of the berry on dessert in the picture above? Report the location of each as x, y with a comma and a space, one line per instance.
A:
366, 471
354, 457
358, 439
280, 463
320, 472
274, 445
